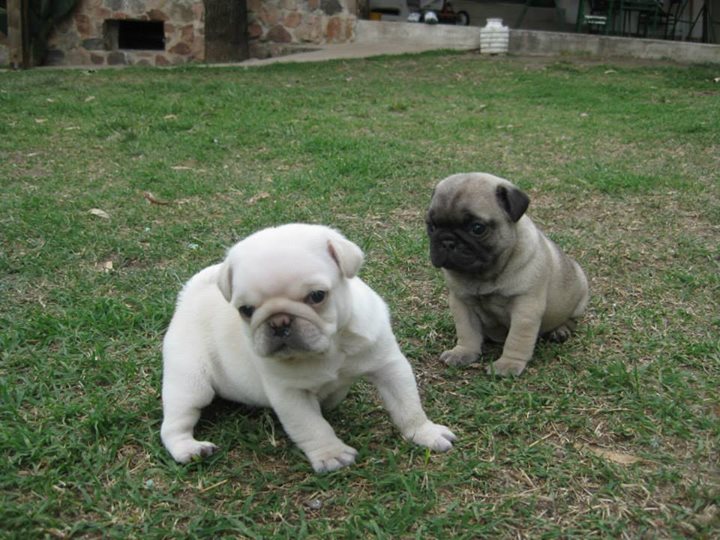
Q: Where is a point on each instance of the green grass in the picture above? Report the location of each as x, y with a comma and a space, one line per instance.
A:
621, 162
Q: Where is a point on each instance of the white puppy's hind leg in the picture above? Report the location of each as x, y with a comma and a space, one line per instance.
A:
335, 398
177, 436
183, 398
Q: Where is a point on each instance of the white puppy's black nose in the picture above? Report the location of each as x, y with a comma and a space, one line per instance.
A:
280, 325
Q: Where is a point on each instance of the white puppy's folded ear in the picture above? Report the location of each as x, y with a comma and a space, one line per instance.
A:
347, 255
224, 280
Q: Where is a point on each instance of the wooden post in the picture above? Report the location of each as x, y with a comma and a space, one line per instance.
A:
17, 14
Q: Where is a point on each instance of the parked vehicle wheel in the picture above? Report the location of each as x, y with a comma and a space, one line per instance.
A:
462, 18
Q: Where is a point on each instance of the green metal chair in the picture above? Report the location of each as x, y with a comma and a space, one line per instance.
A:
647, 16
672, 16
600, 16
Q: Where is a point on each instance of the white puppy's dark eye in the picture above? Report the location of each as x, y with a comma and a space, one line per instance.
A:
246, 311
316, 297
478, 228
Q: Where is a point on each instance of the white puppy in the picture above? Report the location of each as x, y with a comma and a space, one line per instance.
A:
285, 323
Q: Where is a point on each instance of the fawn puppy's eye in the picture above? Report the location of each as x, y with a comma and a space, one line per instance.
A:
478, 228
316, 297
246, 311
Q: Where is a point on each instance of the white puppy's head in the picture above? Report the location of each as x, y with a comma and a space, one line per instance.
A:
290, 287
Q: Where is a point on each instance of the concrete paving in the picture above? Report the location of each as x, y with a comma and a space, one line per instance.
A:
375, 38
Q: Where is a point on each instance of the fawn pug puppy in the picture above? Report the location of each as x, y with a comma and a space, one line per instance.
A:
284, 322
507, 281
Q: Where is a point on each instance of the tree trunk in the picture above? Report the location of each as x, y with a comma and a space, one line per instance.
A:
18, 38
226, 30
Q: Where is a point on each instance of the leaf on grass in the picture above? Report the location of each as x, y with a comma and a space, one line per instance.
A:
181, 168
100, 213
40, 120
106, 266
611, 455
89, 99
708, 516
170, 117
152, 199
314, 504
218, 484
258, 197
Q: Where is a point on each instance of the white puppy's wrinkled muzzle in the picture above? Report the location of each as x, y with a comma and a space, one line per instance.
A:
284, 328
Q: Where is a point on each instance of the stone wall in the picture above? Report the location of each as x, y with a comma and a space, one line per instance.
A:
83, 38
275, 27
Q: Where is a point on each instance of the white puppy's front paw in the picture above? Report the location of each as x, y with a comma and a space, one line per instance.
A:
459, 356
332, 457
505, 367
434, 436
186, 451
